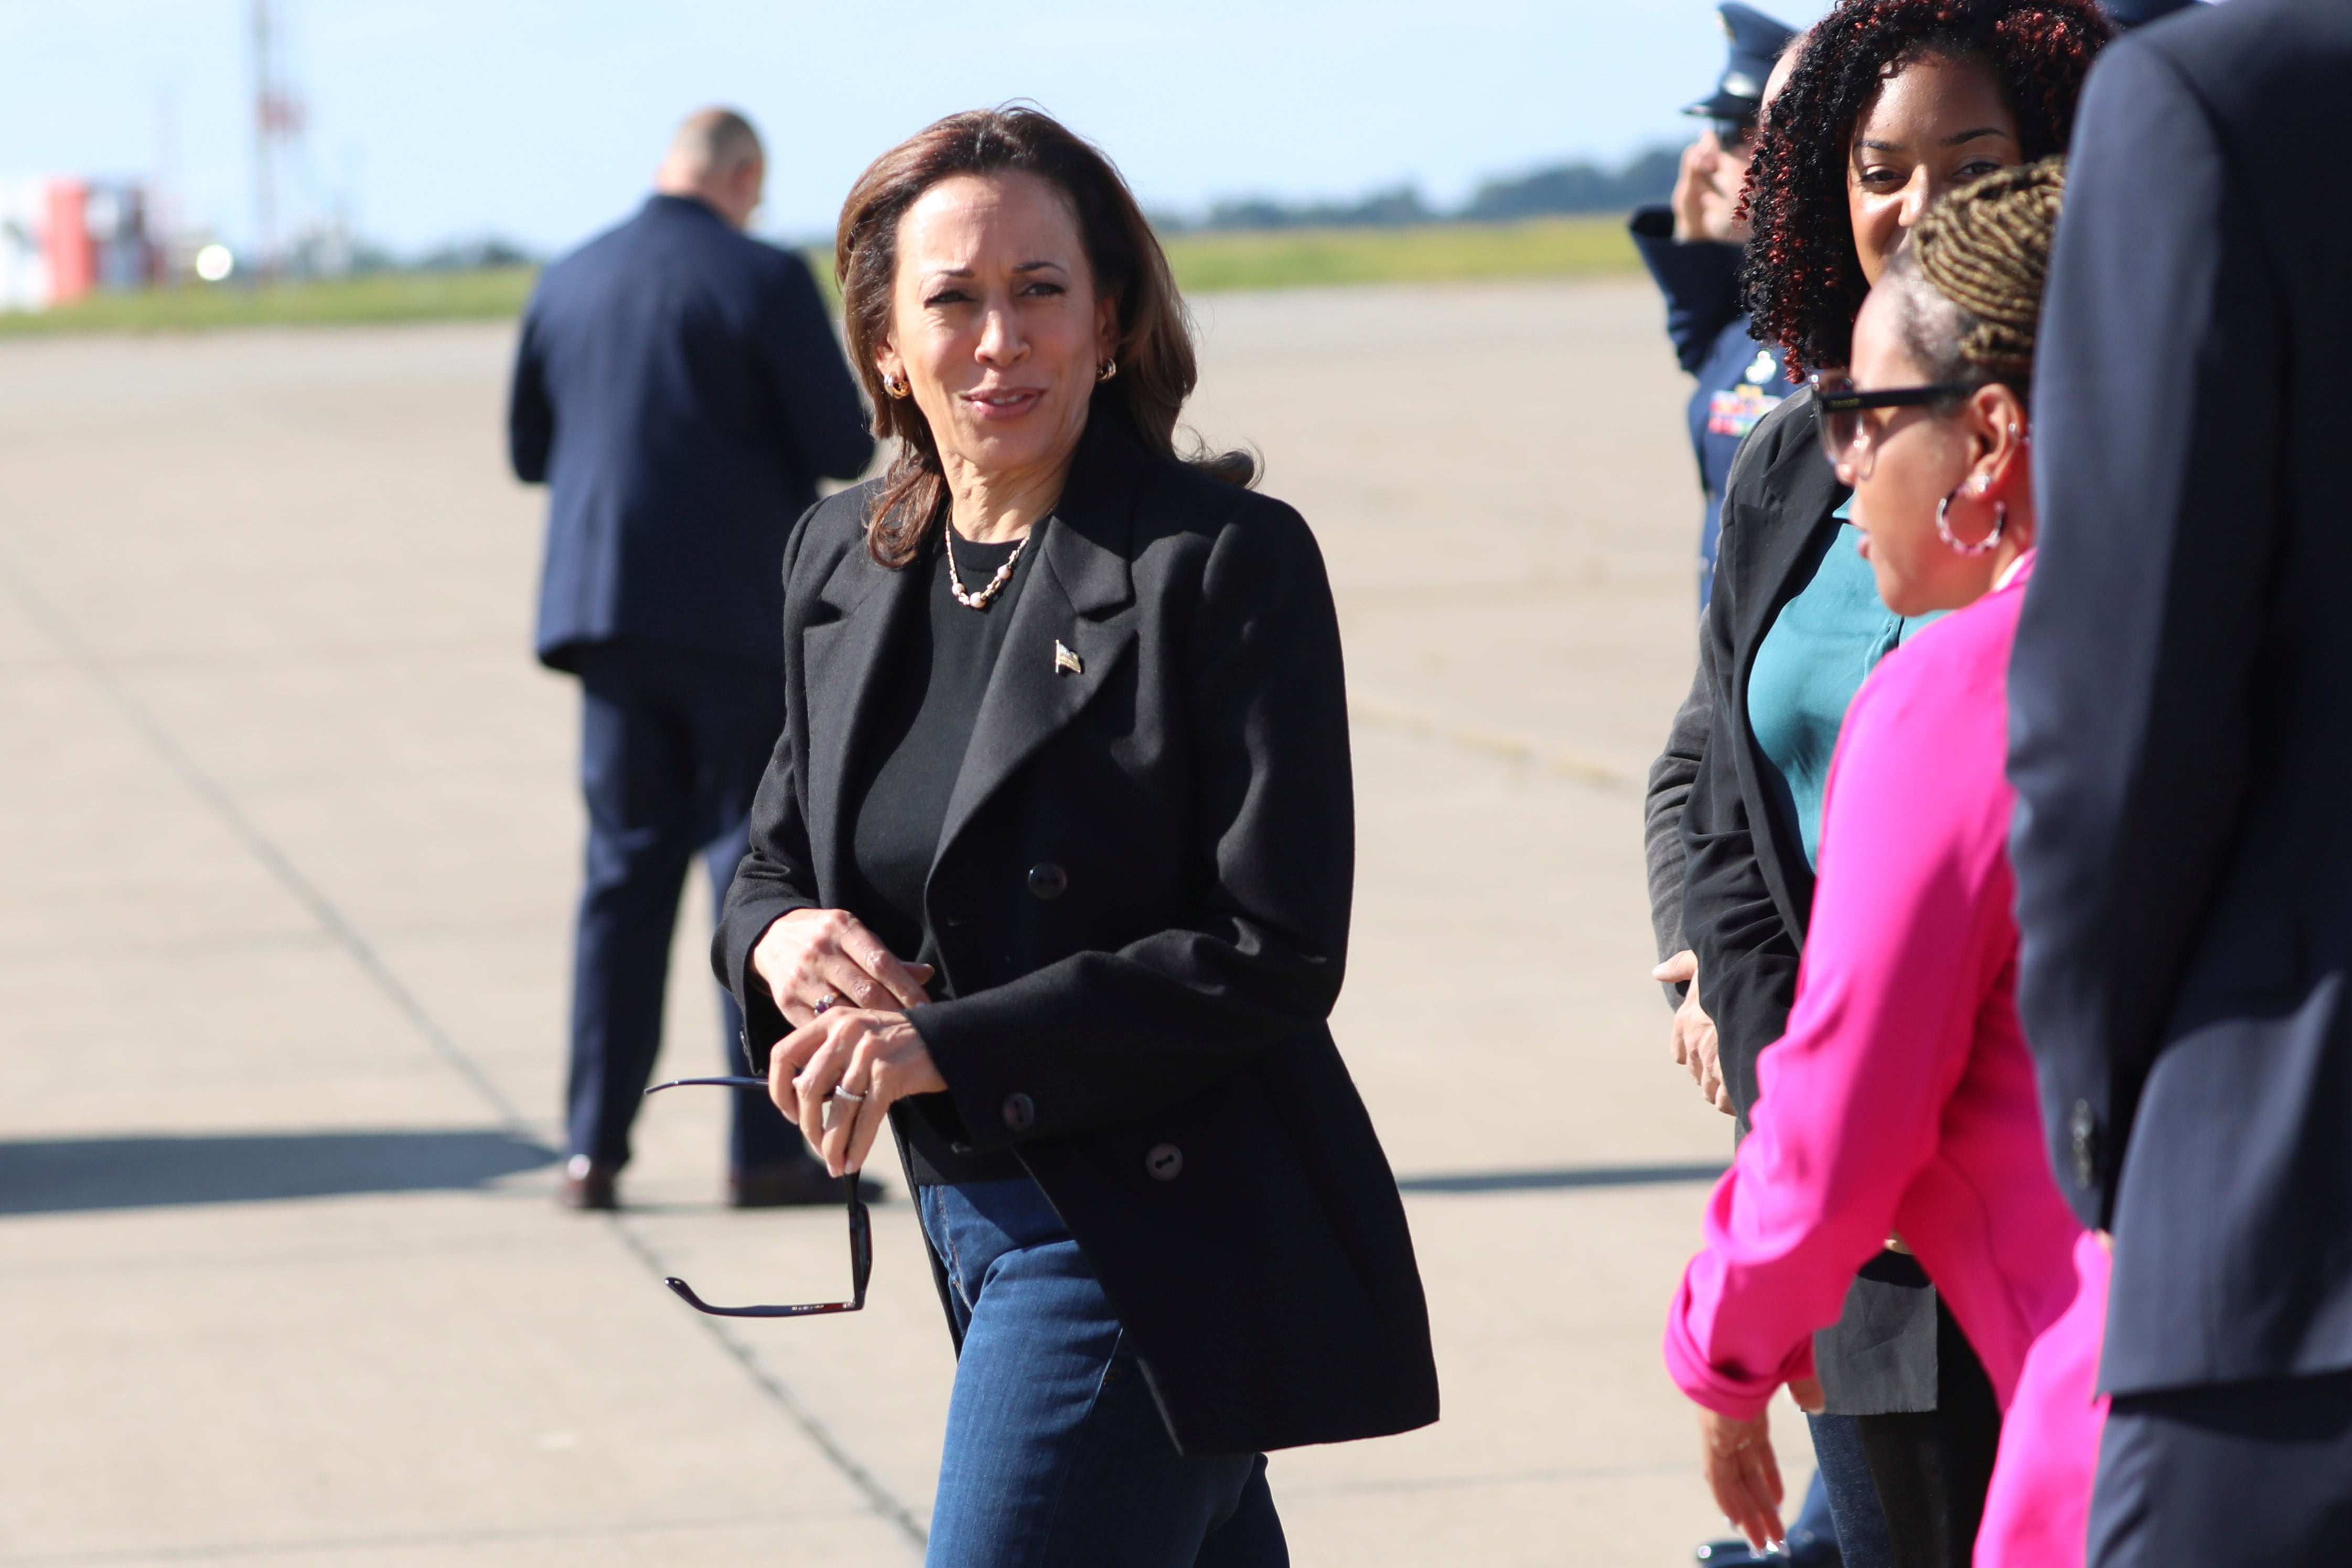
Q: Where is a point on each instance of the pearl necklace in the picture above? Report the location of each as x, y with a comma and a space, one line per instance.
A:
987, 593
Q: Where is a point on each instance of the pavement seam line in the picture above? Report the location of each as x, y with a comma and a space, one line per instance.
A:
1488, 743
885, 1502
332, 920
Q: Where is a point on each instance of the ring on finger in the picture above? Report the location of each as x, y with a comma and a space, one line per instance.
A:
830, 999
843, 1092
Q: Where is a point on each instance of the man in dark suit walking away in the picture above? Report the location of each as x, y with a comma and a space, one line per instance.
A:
680, 391
2181, 744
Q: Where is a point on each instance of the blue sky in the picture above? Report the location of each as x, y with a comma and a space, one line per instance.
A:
541, 119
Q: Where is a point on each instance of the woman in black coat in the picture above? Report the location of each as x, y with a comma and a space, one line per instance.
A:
1050, 870
1888, 103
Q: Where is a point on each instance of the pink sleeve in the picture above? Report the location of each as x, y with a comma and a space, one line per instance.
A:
1893, 972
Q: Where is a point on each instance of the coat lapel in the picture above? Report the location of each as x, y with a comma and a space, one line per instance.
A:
1077, 607
841, 660
1801, 484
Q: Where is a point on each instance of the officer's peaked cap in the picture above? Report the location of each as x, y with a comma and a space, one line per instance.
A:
1756, 41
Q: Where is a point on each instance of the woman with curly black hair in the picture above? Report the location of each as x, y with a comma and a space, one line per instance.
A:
1888, 104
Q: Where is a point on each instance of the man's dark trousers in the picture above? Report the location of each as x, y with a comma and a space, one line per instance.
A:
672, 747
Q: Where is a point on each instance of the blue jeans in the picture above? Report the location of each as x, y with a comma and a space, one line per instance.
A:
1843, 1473
1055, 1452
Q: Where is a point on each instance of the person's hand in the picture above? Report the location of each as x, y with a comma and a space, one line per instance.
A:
813, 959
836, 1076
1694, 1043
1743, 1473
1692, 189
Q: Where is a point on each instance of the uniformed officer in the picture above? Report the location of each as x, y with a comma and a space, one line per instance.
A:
1693, 249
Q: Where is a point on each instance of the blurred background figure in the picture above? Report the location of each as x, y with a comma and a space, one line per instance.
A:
1693, 248
680, 392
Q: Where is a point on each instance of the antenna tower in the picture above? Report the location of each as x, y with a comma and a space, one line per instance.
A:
278, 119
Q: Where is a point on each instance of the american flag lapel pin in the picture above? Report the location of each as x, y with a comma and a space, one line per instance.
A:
1064, 661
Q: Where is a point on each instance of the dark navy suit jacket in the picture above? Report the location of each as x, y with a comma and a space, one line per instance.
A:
2182, 698
679, 389
1740, 379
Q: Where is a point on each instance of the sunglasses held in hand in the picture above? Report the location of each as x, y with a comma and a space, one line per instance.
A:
861, 1234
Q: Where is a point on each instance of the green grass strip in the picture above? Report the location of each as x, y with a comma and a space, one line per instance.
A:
1204, 263
1425, 253
489, 295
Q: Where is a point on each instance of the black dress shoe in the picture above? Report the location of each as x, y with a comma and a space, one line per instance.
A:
800, 1184
589, 1185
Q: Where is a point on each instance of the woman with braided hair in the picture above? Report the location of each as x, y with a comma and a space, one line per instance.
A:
1889, 105
1901, 1102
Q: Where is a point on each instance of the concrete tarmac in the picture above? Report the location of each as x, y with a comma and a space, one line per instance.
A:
288, 841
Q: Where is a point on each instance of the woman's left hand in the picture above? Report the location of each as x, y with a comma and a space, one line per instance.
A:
872, 1054
1743, 1473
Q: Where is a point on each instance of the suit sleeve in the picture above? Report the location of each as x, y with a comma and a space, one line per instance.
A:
2158, 402
1273, 835
1671, 778
777, 875
1699, 278
1900, 955
824, 419
530, 418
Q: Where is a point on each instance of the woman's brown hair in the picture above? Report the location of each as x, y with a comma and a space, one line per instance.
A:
1154, 352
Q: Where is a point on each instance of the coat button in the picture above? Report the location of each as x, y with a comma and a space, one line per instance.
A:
2083, 1127
1020, 1113
1048, 880
1166, 1162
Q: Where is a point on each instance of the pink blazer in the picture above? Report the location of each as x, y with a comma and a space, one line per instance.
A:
1902, 1098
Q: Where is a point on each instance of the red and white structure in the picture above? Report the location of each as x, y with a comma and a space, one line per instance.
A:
61, 238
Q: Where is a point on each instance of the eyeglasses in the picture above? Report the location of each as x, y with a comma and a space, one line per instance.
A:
1838, 404
1734, 135
861, 1235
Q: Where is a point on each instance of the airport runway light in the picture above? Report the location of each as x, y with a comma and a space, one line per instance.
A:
214, 263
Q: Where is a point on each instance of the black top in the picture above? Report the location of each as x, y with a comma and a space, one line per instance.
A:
929, 694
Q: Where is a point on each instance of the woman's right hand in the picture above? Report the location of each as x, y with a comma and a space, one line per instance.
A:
1695, 1042
813, 959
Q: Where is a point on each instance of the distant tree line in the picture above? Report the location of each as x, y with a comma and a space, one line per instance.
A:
1563, 188
1580, 186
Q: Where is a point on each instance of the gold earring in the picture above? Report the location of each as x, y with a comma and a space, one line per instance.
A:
1110, 369
893, 385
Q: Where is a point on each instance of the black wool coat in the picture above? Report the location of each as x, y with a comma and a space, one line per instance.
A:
1140, 898
1747, 892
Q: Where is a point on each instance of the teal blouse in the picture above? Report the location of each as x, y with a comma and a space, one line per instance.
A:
1807, 670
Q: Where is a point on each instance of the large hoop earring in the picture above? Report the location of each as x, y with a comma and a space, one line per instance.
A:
1109, 368
894, 386
1943, 529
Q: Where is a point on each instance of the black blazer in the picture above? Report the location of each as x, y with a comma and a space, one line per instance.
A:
1748, 890
1140, 898
2180, 699
680, 388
